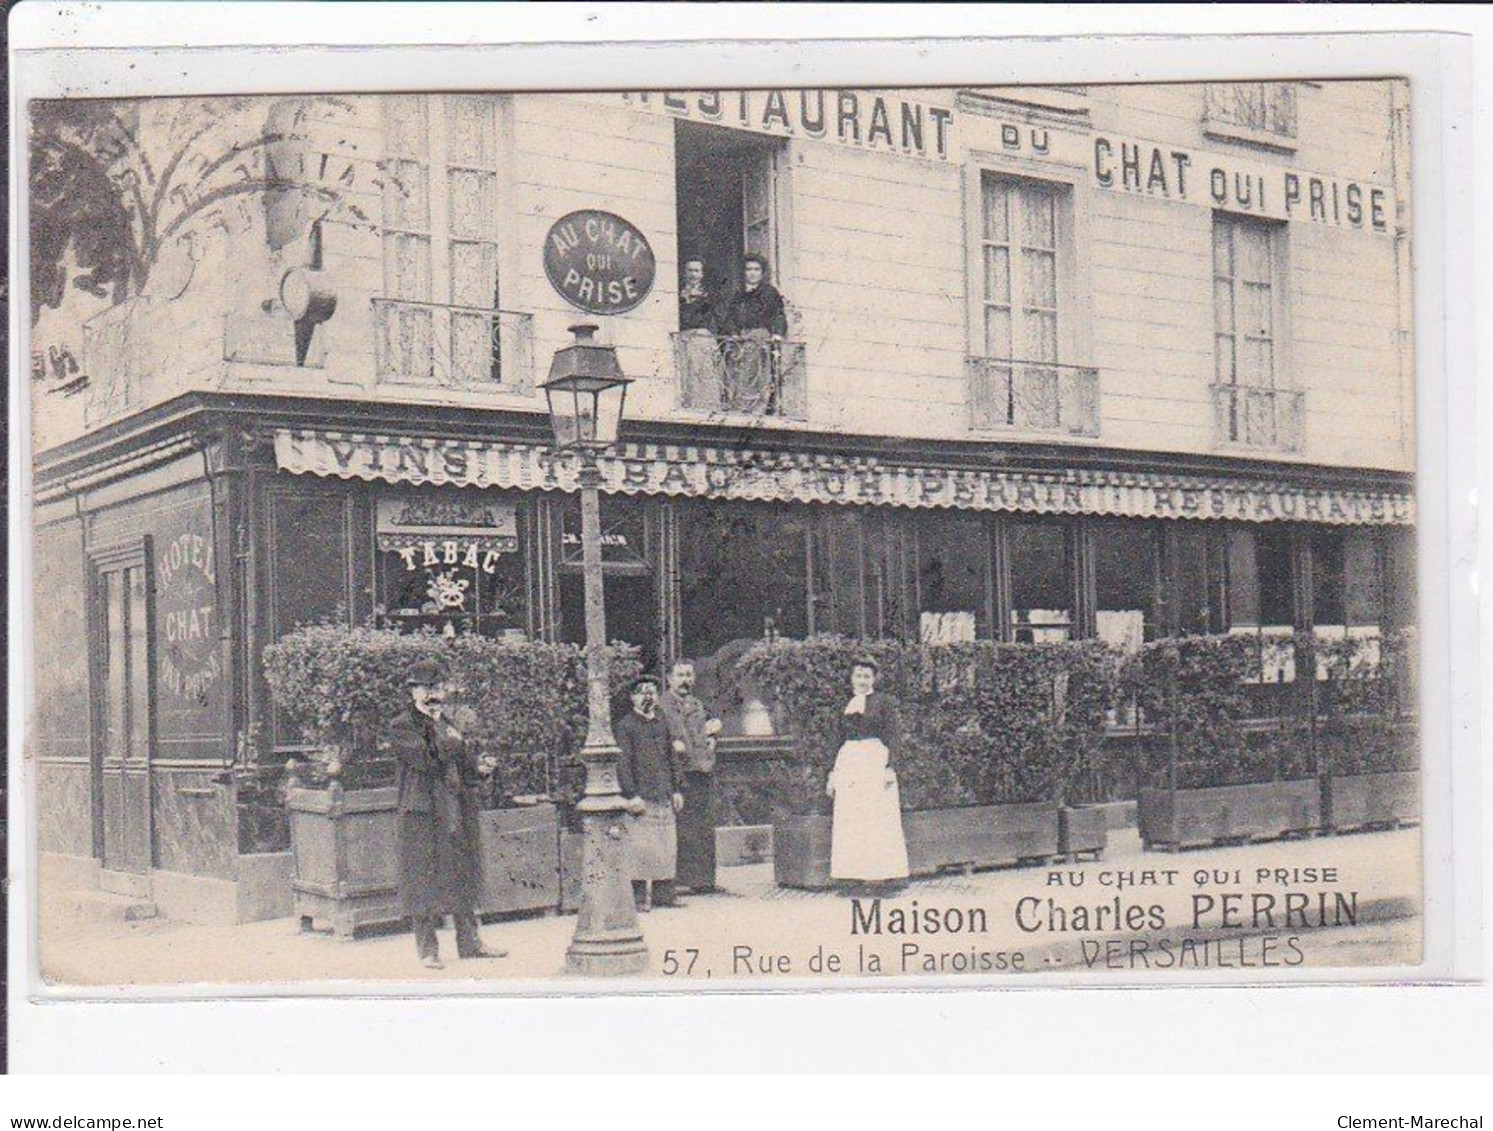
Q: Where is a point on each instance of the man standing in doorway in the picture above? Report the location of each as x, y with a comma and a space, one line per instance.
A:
693, 734
437, 820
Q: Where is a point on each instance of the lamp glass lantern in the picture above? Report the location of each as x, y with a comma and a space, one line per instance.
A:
586, 392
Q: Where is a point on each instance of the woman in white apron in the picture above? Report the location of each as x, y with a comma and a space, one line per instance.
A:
867, 846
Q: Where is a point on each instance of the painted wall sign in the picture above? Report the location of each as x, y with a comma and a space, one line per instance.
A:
641, 469
189, 663
881, 120
1222, 181
599, 262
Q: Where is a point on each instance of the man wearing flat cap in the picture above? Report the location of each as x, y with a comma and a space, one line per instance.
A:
437, 820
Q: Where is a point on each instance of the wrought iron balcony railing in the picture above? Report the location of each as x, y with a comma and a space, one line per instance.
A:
746, 374
1033, 396
1264, 107
440, 344
1261, 418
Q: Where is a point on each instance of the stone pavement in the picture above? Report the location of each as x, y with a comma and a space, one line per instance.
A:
1257, 907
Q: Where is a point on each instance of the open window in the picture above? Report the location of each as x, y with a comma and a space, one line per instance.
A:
726, 182
732, 358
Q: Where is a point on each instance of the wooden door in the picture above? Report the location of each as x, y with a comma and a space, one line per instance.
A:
758, 205
124, 698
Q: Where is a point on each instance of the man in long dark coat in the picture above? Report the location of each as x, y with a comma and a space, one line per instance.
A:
438, 867
693, 733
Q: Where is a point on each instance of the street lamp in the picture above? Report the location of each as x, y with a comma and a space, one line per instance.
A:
586, 391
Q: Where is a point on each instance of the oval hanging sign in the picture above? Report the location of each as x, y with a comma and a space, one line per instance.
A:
599, 262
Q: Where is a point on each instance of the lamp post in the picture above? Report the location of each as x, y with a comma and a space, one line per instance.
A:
586, 391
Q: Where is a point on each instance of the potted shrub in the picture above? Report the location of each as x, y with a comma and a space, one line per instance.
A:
522, 704
1369, 734
1217, 778
990, 733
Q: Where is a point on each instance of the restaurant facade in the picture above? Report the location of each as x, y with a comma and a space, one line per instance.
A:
1060, 363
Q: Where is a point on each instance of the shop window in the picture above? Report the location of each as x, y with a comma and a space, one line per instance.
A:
743, 577
629, 550
1262, 601
309, 560
953, 577
1253, 406
308, 576
452, 566
837, 561
1039, 557
1194, 578
1127, 556
438, 318
1347, 595
1399, 577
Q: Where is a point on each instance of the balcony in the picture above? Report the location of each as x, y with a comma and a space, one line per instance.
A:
1261, 419
745, 375
1262, 112
1033, 396
458, 347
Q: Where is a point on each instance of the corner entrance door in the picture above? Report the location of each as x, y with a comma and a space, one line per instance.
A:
123, 707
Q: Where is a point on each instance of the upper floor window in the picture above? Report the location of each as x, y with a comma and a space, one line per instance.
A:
1252, 111
1253, 407
1022, 377
733, 352
439, 320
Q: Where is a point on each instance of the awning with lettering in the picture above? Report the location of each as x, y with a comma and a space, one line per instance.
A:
721, 473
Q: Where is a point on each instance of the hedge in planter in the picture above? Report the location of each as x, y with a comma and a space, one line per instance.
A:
984, 724
523, 703
1231, 779
1368, 734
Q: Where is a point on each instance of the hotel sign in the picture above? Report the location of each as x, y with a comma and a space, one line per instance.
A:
696, 472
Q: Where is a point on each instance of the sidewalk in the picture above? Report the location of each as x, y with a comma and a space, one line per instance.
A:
753, 928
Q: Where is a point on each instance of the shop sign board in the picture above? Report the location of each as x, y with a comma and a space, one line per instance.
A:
599, 262
429, 533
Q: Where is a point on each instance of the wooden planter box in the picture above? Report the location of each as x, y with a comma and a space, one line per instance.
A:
1361, 800
520, 859
1261, 811
345, 850
1082, 830
800, 852
980, 836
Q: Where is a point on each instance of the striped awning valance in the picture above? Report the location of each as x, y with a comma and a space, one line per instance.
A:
722, 473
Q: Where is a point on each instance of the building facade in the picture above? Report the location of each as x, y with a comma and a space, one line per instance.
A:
1115, 362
